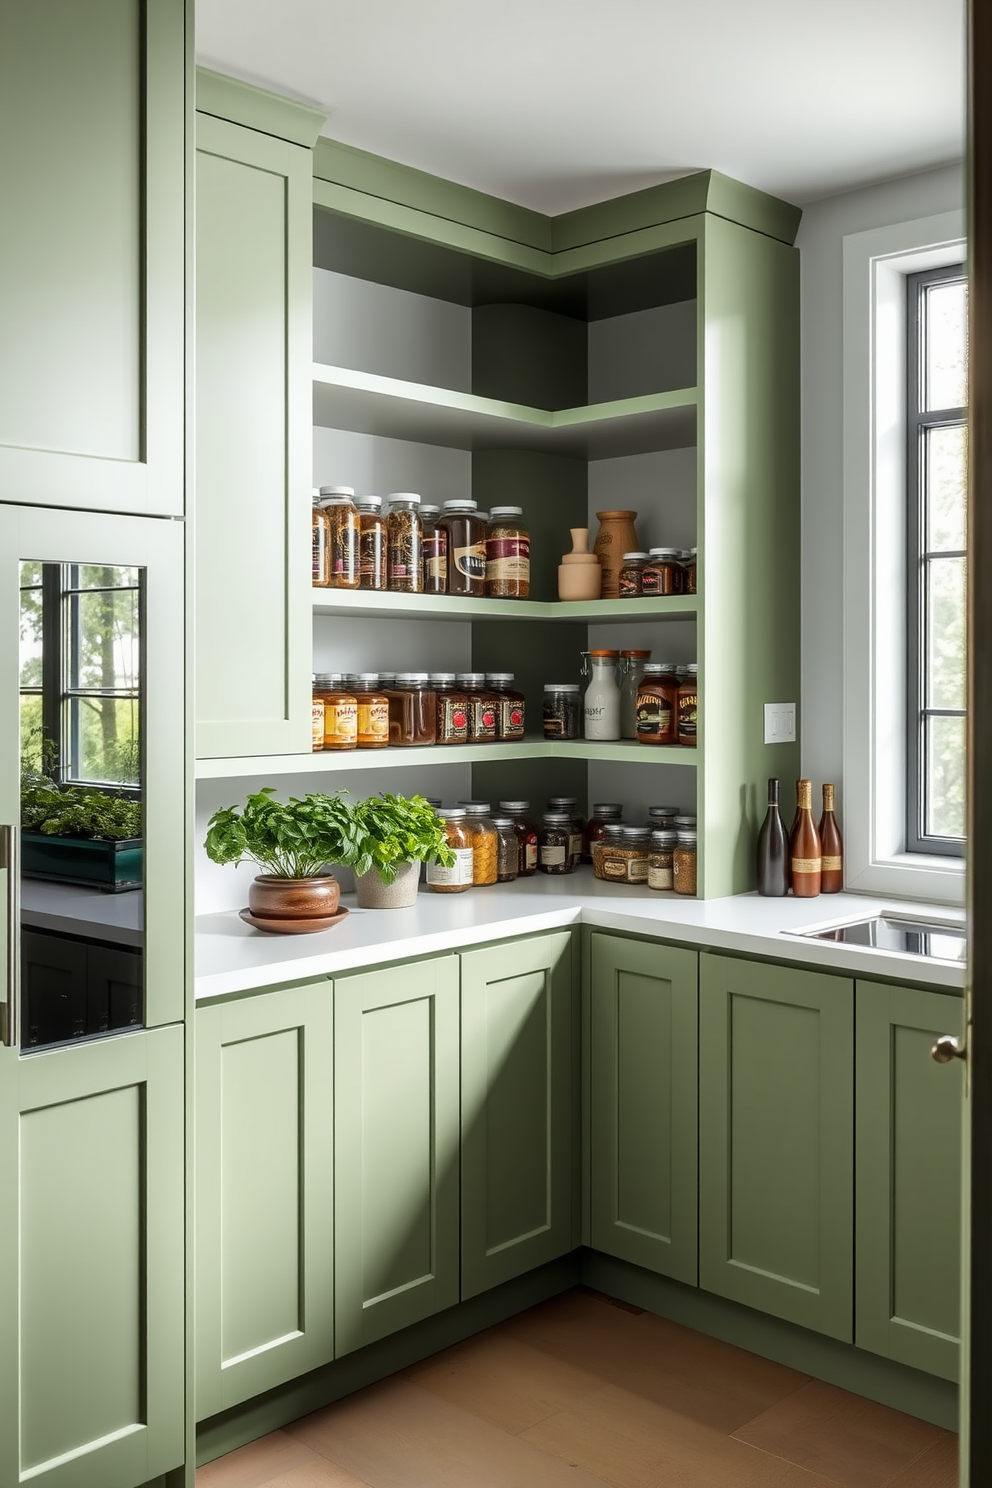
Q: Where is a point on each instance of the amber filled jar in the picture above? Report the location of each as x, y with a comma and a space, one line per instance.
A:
507, 854
554, 843
482, 704
526, 835
607, 813
688, 707
434, 552
623, 855
485, 841
317, 718
661, 867
459, 878
611, 838
411, 710
466, 538
405, 543
509, 706
632, 575
373, 562
451, 703
570, 804
688, 570
321, 540
663, 573
340, 712
684, 863
562, 710
338, 505
507, 554
658, 705
373, 712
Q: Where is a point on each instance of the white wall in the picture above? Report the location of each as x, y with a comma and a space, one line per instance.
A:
824, 226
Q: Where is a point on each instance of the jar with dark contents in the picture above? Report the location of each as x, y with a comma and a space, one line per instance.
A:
632, 574
507, 554
571, 805
372, 543
482, 720
526, 835
411, 710
452, 709
405, 538
434, 552
684, 862
338, 504
509, 706
485, 841
688, 559
688, 707
663, 572
507, 853
466, 538
603, 814
603, 848
657, 705
661, 871
562, 710
457, 879
321, 544
663, 818
554, 853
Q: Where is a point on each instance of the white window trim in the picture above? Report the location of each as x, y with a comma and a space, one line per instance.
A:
876, 264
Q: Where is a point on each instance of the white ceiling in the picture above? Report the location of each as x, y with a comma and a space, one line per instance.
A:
558, 103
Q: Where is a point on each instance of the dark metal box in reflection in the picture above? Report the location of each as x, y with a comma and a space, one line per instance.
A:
112, 866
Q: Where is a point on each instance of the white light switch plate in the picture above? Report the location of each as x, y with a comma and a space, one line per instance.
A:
780, 723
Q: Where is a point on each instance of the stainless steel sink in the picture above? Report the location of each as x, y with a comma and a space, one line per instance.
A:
939, 940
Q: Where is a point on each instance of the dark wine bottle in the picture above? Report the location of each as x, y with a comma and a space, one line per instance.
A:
773, 849
832, 861
806, 851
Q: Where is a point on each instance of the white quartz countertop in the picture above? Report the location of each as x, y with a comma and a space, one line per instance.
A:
73, 909
231, 957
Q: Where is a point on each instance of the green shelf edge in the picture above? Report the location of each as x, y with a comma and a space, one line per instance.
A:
369, 605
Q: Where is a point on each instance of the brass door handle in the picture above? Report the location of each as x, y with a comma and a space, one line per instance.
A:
947, 1047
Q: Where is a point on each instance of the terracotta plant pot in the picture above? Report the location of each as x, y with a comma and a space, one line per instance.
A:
400, 894
579, 573
274, 898
617, 535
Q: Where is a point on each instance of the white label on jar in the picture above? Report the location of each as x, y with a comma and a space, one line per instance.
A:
661, 878
531, 858
552, 857
317, 724
575, 845
637, 870
460, 873
471, 561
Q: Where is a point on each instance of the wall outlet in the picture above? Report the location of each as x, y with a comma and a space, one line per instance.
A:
780, 723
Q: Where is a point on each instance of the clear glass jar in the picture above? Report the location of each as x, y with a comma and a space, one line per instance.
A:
601, 704
527, 835
485, 841
434, 553
554, 843
452, 709
688, 707
507, 554
570, 805
321, 542
632, 575
684, 862
562, 710
373, 562
657, 705
603, 815
626, 860
373, 712
317, 718
482, 705
510, 706
508, 851
405, 536
688, 570
459, 878
630, 671
663, 574
466, 538
661, 871
685, 822
601, 850
412, 709
338, 505
663, 818
340, 712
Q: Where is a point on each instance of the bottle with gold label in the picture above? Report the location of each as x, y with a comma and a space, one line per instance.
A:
832, 847
806, 853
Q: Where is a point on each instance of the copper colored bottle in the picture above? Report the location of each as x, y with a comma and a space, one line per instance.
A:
806, 852
832, 847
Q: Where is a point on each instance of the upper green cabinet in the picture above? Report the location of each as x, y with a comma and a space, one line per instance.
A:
253, 441
92, 254
908, 1163
776, 1140
642, 1020
518, 1131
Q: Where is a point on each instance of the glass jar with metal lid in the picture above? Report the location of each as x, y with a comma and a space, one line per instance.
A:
508, 850
466, 539
373, 712
632, 574
317, 717
411, 710
485, 841
684, 862
452, 709
657, 704
554, 843
509, 706
663, 572
405, 536
688, 560
340, 711
661, 870
612, 838
663, 818
626, 858
570, 804
630, 672
372, 543
603, 815
526, 835
562, 710
338, 504
434, 552
457, 879
507, 554
688, 707
482, 705
320, 530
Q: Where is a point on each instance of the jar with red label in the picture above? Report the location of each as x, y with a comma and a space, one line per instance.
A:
373, 712
340, 712
434, 551
510, 706
663, 572
452, 709
507, 554
482, 707
604, 813
466, 538
526, 835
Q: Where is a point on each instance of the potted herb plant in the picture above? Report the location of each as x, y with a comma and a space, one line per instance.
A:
393, 835
71, 834
292, 842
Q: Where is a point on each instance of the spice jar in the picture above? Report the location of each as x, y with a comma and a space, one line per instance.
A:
507, 554
373, 712
689, 570
684, 863
630, 672
631, 581
603, 815
372, 543
317, 718
611, 838
451, 704
340, 712
663, 574
526, 835
554, 843
660, 860
321, 542
570, 804
664, 818
434, 552
688, 707
509, 706
657, 705
507, 851
623, 855
466, 538
562, 710
485, 841
411, 710
481, 707
685, 823
405, 543
338, 505
457, 879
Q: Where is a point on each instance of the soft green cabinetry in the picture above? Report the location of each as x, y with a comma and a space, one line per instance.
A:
776, 1140
264, 1193
642, 1022
908, 1164
517, 1128
395, 1148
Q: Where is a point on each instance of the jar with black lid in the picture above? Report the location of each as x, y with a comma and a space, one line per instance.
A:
661, 869
632, 574
509, 706
508, 852
562, 710
571, 805
434, 553
663, 573
338, 504
372, 543
527, 835
603, 814
452, 709
688, 707
507, 554
405, 533
611, 838
554, 843
466, 539
482, 703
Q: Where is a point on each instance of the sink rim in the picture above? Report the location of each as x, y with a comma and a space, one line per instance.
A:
949, 922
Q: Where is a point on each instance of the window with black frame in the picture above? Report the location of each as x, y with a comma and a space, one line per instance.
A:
936, 470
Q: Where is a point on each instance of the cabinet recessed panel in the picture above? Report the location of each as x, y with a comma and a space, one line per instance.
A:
516, 1113
643, 1013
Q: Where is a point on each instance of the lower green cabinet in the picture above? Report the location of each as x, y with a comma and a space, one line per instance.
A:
776, 1140
908, 1164
643, 1103
396, 1148
264, 1191
517, 1108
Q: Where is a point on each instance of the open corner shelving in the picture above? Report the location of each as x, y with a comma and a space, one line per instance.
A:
386, 606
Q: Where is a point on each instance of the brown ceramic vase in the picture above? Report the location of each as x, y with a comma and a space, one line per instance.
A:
616, 536
274, 898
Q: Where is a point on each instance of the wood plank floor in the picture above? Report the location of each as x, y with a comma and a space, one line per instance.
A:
591, 1393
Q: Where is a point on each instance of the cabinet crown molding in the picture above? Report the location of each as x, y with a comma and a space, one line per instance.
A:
256, 108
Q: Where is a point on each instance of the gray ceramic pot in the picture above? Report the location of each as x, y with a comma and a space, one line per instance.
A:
400, 894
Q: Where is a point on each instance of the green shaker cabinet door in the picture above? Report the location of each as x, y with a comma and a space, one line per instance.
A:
92, 1248
908, 1194
643, 1109
92, 254
517, 1106
776, 1140
264, 1185
253, 442
395, 1148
